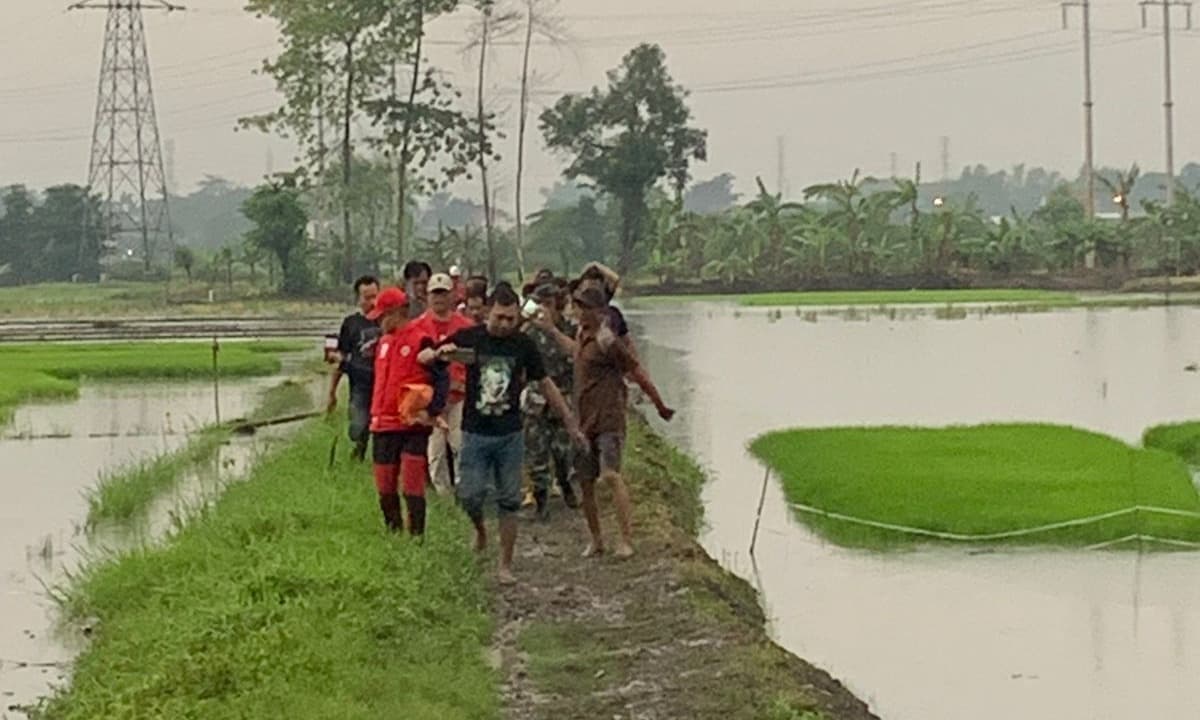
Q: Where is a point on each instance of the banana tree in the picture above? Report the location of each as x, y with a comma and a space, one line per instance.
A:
773, 220
1121, 187
850, 209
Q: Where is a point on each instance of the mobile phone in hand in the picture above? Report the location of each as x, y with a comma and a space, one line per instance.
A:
466, 356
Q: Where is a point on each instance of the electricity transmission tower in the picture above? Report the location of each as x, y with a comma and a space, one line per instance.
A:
126, 166
1168, 100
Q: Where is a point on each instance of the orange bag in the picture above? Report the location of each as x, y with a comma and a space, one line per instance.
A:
414, 401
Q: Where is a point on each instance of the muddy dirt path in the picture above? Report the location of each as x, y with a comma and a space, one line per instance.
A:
667, 634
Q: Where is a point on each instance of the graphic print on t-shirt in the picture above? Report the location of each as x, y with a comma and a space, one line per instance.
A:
495, 378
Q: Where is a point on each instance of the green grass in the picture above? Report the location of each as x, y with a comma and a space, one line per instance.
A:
1181, 439
976, 480
133, 299
125, 493
882, 297
290, 397
49, 370
286, 600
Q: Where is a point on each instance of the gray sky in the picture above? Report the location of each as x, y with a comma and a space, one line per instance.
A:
845, 83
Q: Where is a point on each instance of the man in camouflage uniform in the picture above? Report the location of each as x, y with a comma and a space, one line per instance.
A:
548, 454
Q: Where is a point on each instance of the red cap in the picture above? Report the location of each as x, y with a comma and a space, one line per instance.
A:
389, 299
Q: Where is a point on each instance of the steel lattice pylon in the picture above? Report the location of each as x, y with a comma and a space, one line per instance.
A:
126, 166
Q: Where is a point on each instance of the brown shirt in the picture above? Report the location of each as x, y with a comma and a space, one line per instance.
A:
600, 394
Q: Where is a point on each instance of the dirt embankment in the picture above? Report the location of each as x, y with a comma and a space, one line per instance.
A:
668, 634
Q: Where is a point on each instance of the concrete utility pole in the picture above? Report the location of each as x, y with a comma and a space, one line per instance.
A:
1088, 127
1168, 101
781, 166
945, 158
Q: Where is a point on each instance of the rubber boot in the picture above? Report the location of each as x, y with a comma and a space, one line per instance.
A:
390, 505
416, 514
542, 499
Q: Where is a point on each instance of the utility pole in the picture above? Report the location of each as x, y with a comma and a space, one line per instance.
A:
945, 158
126, 164
1168, 100
781, 166
1088, 127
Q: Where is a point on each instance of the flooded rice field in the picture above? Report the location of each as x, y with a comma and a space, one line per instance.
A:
945, 634
51, 455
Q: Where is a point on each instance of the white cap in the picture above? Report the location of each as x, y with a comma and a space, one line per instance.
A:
441, 281
455, 271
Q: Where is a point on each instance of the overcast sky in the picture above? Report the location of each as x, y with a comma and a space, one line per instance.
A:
845, 83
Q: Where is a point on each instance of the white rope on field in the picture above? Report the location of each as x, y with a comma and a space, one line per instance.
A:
983, 537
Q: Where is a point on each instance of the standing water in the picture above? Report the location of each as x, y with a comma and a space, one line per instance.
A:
945, 634
52, 454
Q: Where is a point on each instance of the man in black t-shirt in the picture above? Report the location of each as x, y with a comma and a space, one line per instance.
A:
356, 360
500, 362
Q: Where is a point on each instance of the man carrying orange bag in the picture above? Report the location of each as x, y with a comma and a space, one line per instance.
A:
408, 397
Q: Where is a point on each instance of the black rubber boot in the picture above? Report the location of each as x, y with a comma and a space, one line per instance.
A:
359, 453
416, 514
390, 505
541, 497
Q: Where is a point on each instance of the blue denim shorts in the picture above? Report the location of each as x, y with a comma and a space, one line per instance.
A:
491, 464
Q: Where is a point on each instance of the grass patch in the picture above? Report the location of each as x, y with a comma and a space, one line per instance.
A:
975, 480
1181, 439
290, 397
124, 494
286, 599
881, 297
39, 371
134, 299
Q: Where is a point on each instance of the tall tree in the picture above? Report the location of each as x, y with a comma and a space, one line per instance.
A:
17, 243
628, 137
333, 56
280, 221
715, 195
494, 22
539, 21
185, 258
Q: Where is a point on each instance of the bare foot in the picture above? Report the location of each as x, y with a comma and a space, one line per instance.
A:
624, 551
593, 550
504, 576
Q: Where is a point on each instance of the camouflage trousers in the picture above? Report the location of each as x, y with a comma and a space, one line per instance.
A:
548, 452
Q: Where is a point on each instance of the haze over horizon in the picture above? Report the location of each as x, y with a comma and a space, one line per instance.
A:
845, 86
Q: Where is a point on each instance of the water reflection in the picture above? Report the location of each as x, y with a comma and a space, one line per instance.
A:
946, 634
43, 503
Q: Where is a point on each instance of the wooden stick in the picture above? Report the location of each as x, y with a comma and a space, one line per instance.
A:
758, 517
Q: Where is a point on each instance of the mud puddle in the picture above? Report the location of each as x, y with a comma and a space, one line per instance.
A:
946, 634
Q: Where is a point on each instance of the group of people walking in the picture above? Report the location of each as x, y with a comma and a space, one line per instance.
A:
473, 387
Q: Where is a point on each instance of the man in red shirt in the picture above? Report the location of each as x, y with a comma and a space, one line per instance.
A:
404, 400
439, 322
